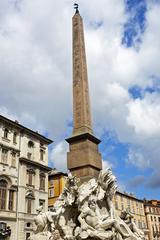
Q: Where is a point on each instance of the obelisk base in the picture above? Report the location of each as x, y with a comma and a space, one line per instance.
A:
83, 159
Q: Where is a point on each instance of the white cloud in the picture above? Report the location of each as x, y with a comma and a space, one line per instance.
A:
106, 164
136, 157
59, 156
35, 66
144, 115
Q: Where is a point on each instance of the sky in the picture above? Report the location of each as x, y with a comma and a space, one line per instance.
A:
122, 40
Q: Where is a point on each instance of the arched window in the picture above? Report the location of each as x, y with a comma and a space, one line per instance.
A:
3, 193
30, 144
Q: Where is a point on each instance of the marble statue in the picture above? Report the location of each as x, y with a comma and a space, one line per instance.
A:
86, 211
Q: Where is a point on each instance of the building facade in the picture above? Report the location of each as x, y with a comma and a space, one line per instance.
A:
56, 183
23, 177
152, 211
135, 206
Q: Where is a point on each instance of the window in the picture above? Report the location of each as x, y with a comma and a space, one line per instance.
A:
51, 192
27, 235
29, 201
51, 182
151, 218
6, 132
3, 225
29, 205
3, 194
28, 224
42, 203
42, 182
41, 155
29, 155
13, 162
137, 210
30, 144
139, 224
30, 150
4, 155
10, 203
30, 178
15, 137
116, 204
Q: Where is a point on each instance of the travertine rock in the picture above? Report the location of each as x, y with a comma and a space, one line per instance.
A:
86, 212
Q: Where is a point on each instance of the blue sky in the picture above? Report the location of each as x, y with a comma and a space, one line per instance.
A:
111, 148
122, 46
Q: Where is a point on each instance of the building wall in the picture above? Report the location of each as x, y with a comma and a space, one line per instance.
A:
35, 151
22, 158
56, 185
152, 211
9, 173
135, 206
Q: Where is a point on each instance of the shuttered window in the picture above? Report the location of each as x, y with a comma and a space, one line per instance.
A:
3, 194
10, 203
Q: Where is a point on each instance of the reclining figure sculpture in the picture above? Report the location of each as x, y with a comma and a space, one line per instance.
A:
86, 211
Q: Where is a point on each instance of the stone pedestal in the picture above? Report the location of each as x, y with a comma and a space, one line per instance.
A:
83, 159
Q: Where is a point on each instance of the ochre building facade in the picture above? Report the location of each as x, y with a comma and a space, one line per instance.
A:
56, 183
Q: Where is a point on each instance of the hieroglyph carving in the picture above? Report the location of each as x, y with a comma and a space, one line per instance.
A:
86, 212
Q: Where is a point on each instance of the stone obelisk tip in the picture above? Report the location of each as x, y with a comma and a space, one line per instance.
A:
76, 7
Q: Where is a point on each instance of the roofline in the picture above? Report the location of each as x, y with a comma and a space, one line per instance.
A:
21, 127
58, 173
154, 200
127, 195
151, 205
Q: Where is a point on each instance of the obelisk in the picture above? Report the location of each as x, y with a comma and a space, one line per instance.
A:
83, 158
